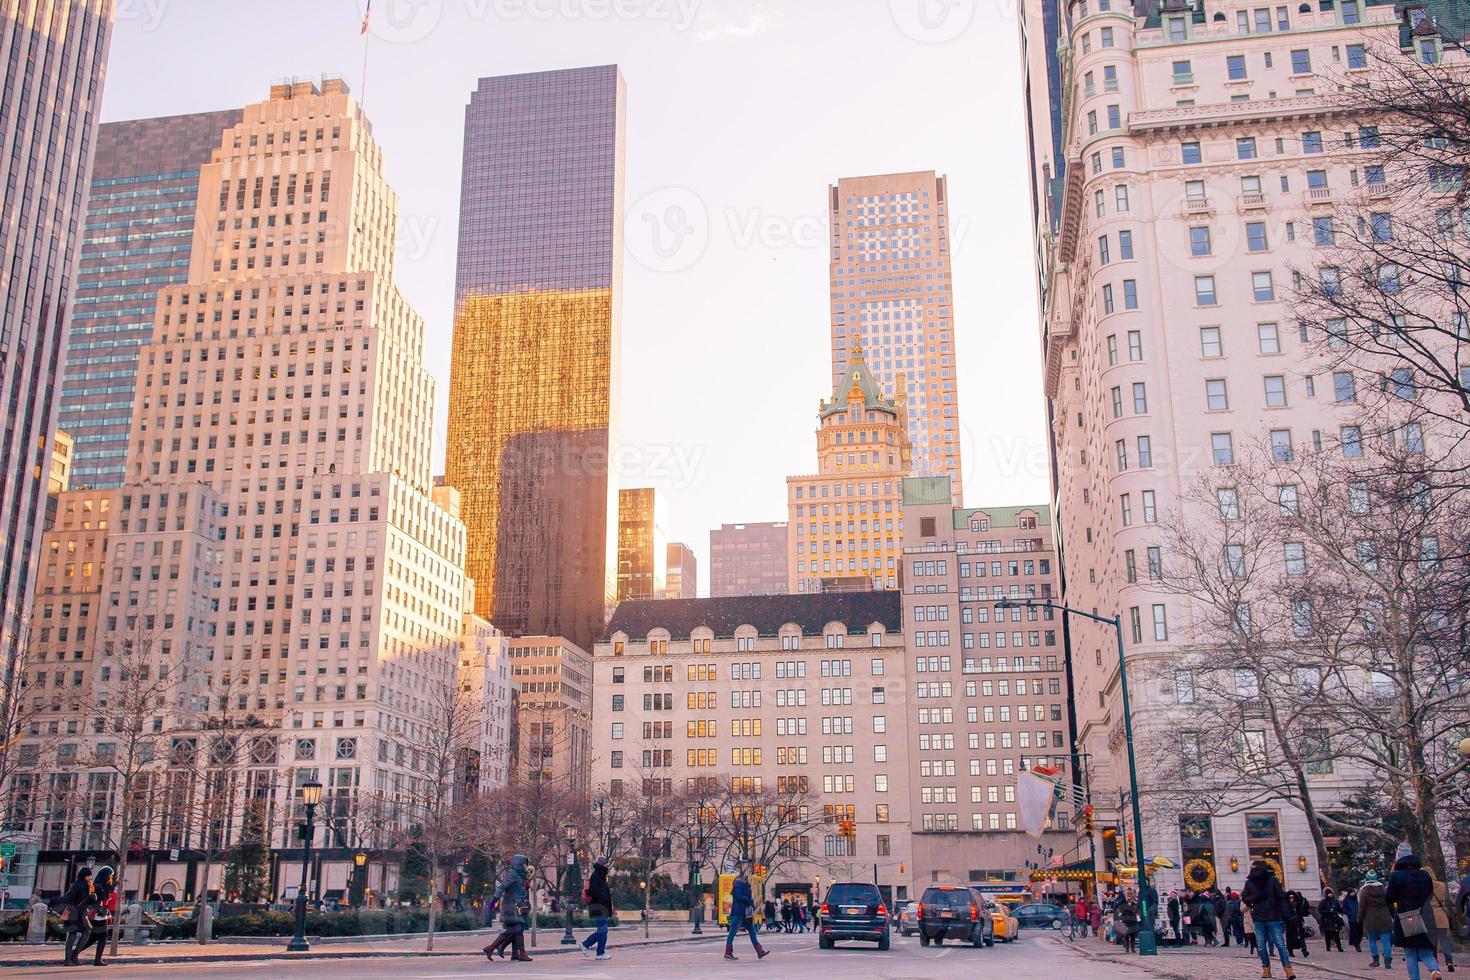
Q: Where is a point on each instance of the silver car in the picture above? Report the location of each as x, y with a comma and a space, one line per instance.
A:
908, 921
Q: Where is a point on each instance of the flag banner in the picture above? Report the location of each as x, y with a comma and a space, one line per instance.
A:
1034, 794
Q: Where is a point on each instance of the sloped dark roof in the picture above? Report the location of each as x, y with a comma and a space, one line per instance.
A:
858, 376
767, 613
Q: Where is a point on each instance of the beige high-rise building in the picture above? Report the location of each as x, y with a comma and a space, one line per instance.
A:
846, 519
749, 559
553, 710
798, 699
893, 297
276, 530
989, 685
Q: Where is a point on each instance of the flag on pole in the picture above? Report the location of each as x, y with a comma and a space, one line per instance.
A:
1034, 797
367, 15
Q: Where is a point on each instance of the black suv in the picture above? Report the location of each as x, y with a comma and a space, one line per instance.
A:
955, 912
854, 910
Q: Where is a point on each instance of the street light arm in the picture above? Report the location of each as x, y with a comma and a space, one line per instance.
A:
1029, 603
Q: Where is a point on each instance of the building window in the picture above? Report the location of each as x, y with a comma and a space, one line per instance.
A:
1204, 290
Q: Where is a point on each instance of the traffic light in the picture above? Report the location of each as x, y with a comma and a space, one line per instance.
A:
760, 870
901, 869
1087, 819
847, 829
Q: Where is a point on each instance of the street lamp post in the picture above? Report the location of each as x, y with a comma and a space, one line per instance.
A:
360, 875
1147, 940
311, 795
567, 938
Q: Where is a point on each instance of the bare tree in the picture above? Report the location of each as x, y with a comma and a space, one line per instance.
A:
442, 752
766, 826
1332, 634
1387, 299
653, 824
141, 686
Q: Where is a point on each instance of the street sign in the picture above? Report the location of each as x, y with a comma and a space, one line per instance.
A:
7, 850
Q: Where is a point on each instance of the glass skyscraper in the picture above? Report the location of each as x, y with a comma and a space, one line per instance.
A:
534, 379
55, 57
138, 238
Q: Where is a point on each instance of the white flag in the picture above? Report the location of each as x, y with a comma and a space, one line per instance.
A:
1034, 794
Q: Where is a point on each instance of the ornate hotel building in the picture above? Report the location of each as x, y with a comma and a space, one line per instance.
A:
533, 400
893, 297
275, 543
1186, 160
846, 520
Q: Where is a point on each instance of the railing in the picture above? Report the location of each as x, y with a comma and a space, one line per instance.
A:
1195, 205
1319, 195
1251, 202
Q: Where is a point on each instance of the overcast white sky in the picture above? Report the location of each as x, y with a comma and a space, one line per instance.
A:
740, 113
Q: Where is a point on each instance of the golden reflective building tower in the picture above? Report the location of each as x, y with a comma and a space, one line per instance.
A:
534, 376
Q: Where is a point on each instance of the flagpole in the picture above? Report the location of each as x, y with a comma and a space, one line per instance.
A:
367, 38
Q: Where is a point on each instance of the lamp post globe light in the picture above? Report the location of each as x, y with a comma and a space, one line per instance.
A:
311, 795
1147, 939
359, 861
567, 938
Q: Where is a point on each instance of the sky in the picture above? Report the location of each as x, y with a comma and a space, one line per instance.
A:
740, 114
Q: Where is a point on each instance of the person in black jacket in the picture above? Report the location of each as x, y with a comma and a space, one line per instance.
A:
79, 897
1409, 890
1266, 899
97, 917
1298, 910
600, 907
1329, 914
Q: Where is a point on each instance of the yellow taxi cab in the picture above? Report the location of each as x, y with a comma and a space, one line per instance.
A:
1007, 928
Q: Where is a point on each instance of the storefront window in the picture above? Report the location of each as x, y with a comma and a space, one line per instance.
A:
1197, 848
1263, 835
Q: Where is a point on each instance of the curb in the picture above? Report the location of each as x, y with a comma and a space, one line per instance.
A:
327, 954
1157, 969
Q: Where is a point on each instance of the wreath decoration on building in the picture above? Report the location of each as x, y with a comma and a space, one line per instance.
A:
1199, 874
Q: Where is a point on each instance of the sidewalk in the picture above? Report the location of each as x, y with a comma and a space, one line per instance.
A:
445, 944
1219, 963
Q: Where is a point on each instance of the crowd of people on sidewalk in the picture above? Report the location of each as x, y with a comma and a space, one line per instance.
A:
1409, 911
512, 902
788, 916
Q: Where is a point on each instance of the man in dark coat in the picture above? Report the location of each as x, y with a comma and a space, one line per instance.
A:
1409, 890
1266, 899
600, 908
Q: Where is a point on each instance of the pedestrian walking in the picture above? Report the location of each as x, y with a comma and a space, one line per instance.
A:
598, 898
97, 917
1298, 911
1266, 899
1350, 913
1234, 926
1375, 920
742, 917
769, 914
1444, 939
1248, 926
78, 899
1409, 893
513, 898
1094, 915
786, 913
1175, 917
1329, 916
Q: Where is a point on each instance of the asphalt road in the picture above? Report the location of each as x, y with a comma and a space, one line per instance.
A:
1035, 957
